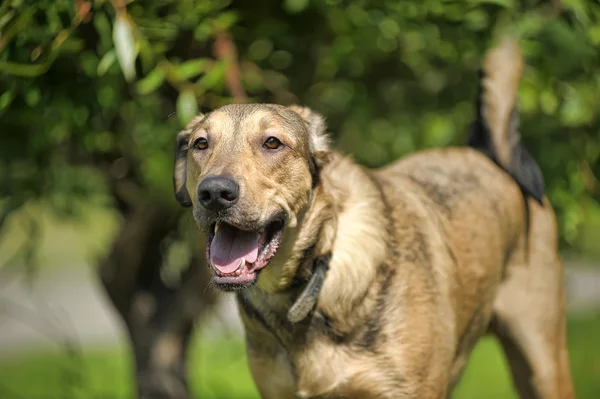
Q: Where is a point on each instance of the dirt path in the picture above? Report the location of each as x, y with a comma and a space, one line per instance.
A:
70, 304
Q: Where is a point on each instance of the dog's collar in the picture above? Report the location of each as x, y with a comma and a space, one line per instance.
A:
307, 299
314, 173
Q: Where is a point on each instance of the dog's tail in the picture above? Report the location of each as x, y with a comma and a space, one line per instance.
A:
496, 128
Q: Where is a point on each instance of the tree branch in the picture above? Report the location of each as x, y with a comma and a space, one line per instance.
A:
225, 50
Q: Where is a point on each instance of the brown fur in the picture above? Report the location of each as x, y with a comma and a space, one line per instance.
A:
423, 257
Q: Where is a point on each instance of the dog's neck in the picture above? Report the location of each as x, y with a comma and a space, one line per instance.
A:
313, 236
344, 222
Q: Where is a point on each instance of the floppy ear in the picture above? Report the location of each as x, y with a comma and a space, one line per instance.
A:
317, 130
180, 169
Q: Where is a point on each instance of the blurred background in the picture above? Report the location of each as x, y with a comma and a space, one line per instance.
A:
99, 266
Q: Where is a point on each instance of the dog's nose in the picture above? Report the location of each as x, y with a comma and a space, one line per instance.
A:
217, 193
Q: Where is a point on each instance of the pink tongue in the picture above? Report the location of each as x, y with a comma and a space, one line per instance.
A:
230, 246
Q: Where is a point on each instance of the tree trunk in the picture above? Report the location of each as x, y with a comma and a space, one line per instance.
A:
159, 318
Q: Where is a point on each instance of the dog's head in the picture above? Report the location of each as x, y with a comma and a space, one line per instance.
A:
248, 172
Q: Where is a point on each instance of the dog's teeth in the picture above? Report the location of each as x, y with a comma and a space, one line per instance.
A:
240, 267
217, 227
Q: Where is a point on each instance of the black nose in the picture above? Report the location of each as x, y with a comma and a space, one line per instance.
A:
217, 193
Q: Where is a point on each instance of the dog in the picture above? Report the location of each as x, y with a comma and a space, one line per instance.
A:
377, 283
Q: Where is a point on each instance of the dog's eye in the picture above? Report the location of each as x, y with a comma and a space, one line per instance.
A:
272, 143
201, 144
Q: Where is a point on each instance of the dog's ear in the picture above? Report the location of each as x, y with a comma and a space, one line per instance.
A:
180, 169
317, 130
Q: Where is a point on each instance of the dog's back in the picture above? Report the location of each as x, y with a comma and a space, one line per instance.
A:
481, 195
493, 179
491, 235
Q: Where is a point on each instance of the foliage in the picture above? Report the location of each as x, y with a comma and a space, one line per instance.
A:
87, 88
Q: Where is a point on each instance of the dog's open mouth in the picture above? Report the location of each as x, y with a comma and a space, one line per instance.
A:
236, 256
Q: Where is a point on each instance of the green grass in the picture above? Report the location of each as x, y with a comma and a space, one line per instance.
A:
487, 374
218, 370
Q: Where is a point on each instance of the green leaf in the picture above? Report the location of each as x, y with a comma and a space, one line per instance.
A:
213, 78
191, 68
573, 109
32, 98
594, 35
578, 8
548, 102
225, 20
27, 70
438, 131
19, 24
5, 99
187, 106
6, 18
528, 98
106, 62
295, 6
503, 3
151, 82
102, 25
260, 49
125, 46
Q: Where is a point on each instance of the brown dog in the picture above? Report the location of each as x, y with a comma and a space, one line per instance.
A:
357, 283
